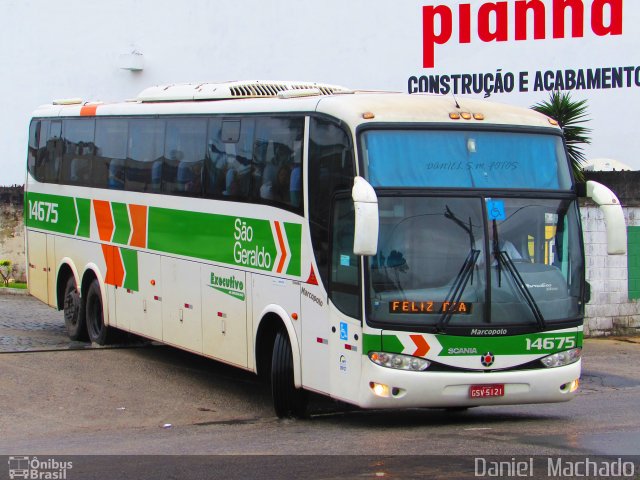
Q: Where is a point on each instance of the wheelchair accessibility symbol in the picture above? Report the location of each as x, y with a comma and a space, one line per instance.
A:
495, 210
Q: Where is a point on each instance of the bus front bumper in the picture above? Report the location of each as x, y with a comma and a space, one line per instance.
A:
390, 388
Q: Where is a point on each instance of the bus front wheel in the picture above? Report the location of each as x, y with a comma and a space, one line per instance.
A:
73, 312
96, 328
288, 400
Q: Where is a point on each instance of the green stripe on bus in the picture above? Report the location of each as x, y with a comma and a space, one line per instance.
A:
512, 345
130, 262
392, 344
54, 213
371, 343
239, 241
121, 221
294, 236
84, 217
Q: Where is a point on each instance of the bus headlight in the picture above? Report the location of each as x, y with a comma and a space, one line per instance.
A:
561, 359
399, 361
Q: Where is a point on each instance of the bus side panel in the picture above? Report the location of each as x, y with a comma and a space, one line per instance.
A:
37, 263
224, 314
146, 305
51, 270
181, 303
316, 336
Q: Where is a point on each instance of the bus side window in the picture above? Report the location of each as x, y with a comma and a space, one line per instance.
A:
185, 145
145, 155
53, 156
330, 170
240, 158
111, 152
41, 152
277, 161
34, 139
233, 167
79, 149
345, 265
216, 163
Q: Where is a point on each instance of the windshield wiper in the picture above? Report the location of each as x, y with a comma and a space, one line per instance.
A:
504, 260
465, 273
457, 289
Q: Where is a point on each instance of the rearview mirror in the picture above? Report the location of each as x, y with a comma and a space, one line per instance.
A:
613, 217
365, 202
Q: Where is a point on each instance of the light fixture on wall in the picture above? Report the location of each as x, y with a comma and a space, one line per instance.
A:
132, 61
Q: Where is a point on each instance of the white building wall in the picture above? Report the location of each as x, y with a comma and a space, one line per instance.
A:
610, 311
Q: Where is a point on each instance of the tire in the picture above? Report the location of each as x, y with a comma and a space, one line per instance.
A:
97, 330
288, 401
74, 312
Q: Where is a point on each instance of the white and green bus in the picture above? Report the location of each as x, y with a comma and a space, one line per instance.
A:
383, 249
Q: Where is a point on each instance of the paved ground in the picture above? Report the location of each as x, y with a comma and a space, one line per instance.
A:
28, 325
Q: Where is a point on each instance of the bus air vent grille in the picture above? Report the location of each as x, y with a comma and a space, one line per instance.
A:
231, 90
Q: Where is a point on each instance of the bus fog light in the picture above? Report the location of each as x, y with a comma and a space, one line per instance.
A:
399, 361
380, 389
561, 359
574, 385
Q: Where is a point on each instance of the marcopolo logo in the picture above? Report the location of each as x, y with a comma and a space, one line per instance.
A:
228, 285
492, 21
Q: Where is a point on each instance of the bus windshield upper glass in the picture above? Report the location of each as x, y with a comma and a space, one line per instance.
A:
465, 159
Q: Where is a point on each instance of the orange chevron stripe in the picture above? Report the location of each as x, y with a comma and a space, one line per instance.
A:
282, 248
115, 267
104, 219
421, 343
138, 214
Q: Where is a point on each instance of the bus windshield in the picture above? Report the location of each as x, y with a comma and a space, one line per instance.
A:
465, 159
445, 261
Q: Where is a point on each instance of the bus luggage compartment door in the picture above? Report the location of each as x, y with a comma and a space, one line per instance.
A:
224, 314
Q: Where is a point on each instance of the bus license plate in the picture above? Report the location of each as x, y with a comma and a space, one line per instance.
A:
484, 391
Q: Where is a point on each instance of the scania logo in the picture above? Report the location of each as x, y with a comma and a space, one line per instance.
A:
487, 359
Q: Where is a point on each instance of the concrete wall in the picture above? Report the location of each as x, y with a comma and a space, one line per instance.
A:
12, 230
610, 310
614, 307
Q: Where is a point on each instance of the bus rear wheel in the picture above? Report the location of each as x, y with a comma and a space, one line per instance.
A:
288, 401
73, 311
97, 330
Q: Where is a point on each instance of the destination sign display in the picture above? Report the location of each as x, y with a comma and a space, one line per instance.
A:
429, 307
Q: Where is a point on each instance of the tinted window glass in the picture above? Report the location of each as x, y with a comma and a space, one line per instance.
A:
50, 166
277, 169
239, 157
331, 169
79, 149
111, 153
41, 153
145, 155
435, 158
345, 271
185, 146
229, 164
34, 140
216, 163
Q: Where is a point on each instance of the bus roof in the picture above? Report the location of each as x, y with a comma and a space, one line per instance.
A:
353, 107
